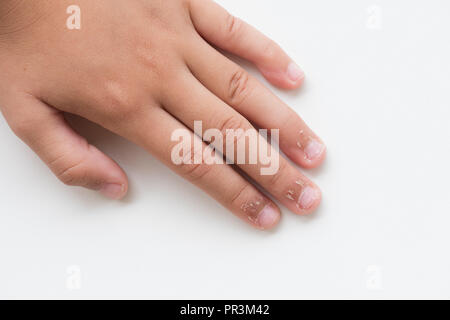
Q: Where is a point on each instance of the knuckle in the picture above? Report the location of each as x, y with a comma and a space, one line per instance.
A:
195, 172
192, 170
233, 26
240, 196
70, 173
119, 101
70, 176
234, 123
235, 131
238, 87
276, 178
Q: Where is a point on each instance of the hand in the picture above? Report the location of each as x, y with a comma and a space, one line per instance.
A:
143, 69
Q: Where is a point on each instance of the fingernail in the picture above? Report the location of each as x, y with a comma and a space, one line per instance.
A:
268, 217
314, 150
294, 72
308, 197
113, 190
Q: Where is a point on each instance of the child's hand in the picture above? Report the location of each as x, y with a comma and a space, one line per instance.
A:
144, 68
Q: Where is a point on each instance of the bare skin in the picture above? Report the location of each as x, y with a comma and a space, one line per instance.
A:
142, 69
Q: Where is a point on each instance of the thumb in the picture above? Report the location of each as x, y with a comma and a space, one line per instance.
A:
71, 158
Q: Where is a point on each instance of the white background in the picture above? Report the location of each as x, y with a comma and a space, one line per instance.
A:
377, 92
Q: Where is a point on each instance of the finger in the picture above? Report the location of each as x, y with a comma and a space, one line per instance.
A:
67, 154
220, 181
255, 102
286, 184
224, 30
